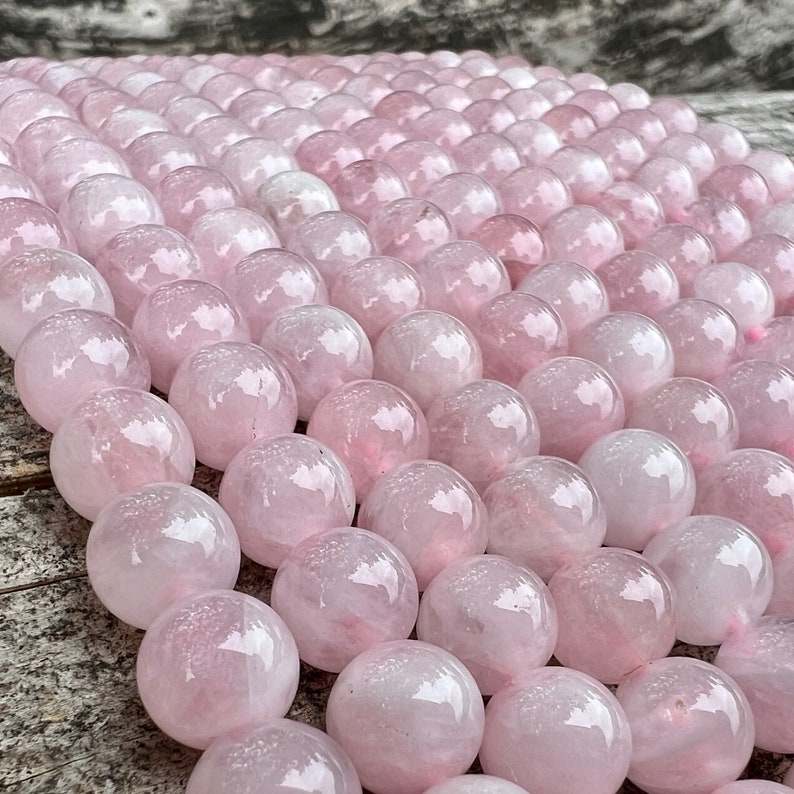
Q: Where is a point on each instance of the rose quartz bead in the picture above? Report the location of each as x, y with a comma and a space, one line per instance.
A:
575, 401
369, 88
24, 107
123, 126
334, 76
532, 725
584, 171
644, 481
782, 600
637, 281
116, 440
179, 317
684, 248
629, 95
290, 126
488, 155
402, 107
601, 105
488, 87
691, 726
215, 135
249, 163
155, 155
476, 784
467, 200
303, 93
419, 164
776, 168
376, 136
159, 96
214, 663
446, 128
740, 184
38, 283
635, 210
772, 255
534, 193
556, 89
543, 513
671, 182
690, 150
40, 136
321, 347
97, 106
26, 225
409, 715
343, 592
185, 113
752, 786
726, 141
254, 107
584, 235
721, 573
409, 228
517, 242
338, 112
70, 355
223, 89
326, 153
446, 95
616, 611
573, 124
282, 756
722, 221
157, 544
632, 348
677, 115
775, 342
12, 83
534, 140
481, 429
497, 617
620, 148
645, 124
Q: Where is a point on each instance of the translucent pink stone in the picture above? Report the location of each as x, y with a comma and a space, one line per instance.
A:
629, 95
488, 155
303, 93
15, 184
326, 153
616, 611
290, 126
741, 184
278, 755
637, 281
722, 221
98, 105
532, 725
467, 200
158, 96
40, 136
621, 149
584, 171
70, 355
543, 513
185, 113
43, 281
645, 124
584, 235
726, 141
249, 163
534, 193
376, 136
24, 107
429, 512
601, 105
409, 228
671, 182
704, 338
777, 169
116, 440
26, 225
677, 115
153, 156
124, 125
157, 544
488, 87
635, 210
772, 255
632, 348
216, 662
369, 88
254, 107
409, 715
572, 123
497, 617
446, 95
342, 592
752, 786
321, 347
691, 150
684, 248
481, 429
223, 89
782, 600
721, 572
691, 726
534, 140
179, 317
338, 111
516, 241
419, 164
774, 342
403, 107
476, 784
446, 128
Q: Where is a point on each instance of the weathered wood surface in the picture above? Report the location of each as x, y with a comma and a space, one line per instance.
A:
70, 718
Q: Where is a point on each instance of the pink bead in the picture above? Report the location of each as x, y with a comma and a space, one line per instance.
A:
476, 784
527, 104
280, 491
124, 125
326, 153
98, 105
154, 545
782, 601
26, 225
741, 184
340, 111
409, 228
728, 143
776, 220
722, 221
752, 786
481, 429
376, 136
279, 755
637, 281
185, 113
645, 124
534, 193
40, 136
537, 494
446, 128
177, 318
690, 150
616, 611
158, 96
635, 210
691, 726
402, 107
449, 96
622, 150
369, 88
584, 172
532, 725
467, 200
215, 135
775, 342
155, 155
677, 115
772, 255
419, 164
489, 115
116, 440
223, 89
343, 592
776, 168
671, 182
254, 107
488, 87
684, 248
214, 663
584, 235
397, 740
534, 140
11, 84
721, 573
497, 617
488, 155
249, 163
24, 107
516, 241
572, 123
598, 103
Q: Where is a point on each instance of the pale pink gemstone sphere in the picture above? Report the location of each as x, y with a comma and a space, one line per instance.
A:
15, 184
343, 591
40, 136
544, 513
555, 731
515, 240
584, 235
430, 512
497, 617
722, 221
481, 429
635, 210
326, 153
427, 353
25, 106
684, 248
727, 142
774, 342
575, 401
157, 544
691, 726
671, 182
752, 786
98, 104
230, 393
572, 123
409, 714
177, 318
249, 163
582, 169
155, 155
621, 149
534, 193
676, 114
616, 611
279, 756
632, 348
645, 124
321, 347
629, 95
26, 225
467, 200
364, 186
280, 491
741, 184
691, 150
216, 662
637, 281
419, 164
721, 573
775, 220
534, 140
116, 440
488, 155
772, 255
43, 281
777, 169
72, 354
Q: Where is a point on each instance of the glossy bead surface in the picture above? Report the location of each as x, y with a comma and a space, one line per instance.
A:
584, 235
637, 281
26, 225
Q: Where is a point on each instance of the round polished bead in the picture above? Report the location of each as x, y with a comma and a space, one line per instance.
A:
534, 140
722, 221
497, 617
290, 126
70, 355
223, 89
342, 592
621, 149
489, 115
158, 96
402, 107
692, 151
543, 513
629, 95
279, 755
740, 184
772, 255
326, 153
369, 88
97, 106
601, 105
40, 136
446, 95
364, 186
249, 163
671, 182
721, 573
677, 115
124, 125
616, 611
339, 111
214, 663
637, 281
645, 124
534, 193
684, 248
446, 128
488, 155
26, 106
467, 200
774, 342
374, 712
777, 169
179, 317
635, 210
572, 123
153, 156
419, 164
254, 107
726, 141
15, 184
476, 784
116, 440
691, 726
532, 725
516, 241
584, 235
26, 225
584, 171
376, 136
157, 544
